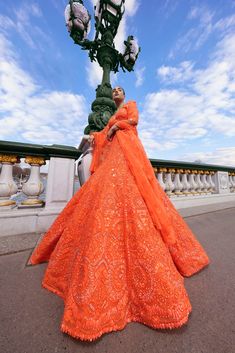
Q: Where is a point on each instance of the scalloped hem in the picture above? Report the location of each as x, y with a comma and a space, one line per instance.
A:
82, 337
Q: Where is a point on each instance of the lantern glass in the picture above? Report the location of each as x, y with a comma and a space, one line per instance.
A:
131, 52
78, 18
67, 15
80, 13
134, 47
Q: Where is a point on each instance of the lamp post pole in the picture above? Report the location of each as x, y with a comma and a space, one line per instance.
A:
108, 14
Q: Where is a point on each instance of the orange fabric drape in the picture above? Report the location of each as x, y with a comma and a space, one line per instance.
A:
162, 211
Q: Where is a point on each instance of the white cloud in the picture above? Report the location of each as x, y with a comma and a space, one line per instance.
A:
21, 23
196, 104
205, 25
151, 144
121, 35
94, 73
30, 113
60, 5
93, 2
196, 36
225, 23
221, 156
139, 73
131, 6
175, 74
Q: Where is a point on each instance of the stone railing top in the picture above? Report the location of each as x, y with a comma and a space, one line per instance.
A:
161, 163
31, 149
47, 151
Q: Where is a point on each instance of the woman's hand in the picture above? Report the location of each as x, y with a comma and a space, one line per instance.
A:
111, 132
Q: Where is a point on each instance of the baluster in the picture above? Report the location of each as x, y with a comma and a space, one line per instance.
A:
34, 186
209, 181
212, 173
177, 183
203, 189
198, 182
192, 182
230, 182
233, 181
159, 172
169, 184
206, 185
8, 186
185, 182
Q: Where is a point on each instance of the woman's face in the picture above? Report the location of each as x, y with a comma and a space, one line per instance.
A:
118, 94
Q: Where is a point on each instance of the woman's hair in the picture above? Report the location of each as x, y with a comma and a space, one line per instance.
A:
121, 89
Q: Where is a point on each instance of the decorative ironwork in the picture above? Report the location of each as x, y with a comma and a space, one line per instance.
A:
108, 14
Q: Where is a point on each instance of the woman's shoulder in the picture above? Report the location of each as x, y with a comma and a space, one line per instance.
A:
131, 103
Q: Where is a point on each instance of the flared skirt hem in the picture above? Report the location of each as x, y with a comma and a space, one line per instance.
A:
82, 337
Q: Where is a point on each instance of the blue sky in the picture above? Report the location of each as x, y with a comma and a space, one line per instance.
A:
184, 80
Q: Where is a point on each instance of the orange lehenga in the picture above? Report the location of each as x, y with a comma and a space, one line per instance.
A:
119, 249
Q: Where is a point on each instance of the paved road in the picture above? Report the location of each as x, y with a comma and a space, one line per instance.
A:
30, 316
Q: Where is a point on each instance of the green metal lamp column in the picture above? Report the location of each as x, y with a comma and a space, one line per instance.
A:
103, 107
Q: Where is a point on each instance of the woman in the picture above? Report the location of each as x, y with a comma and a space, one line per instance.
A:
119, 250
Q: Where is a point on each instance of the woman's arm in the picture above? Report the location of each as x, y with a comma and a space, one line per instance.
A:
125, 124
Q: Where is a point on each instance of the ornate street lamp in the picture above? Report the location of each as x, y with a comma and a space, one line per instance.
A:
108, 14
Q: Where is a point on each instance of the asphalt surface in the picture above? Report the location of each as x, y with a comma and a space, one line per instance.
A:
30, 316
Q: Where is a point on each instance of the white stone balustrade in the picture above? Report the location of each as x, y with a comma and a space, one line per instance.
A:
182, 182
186, 186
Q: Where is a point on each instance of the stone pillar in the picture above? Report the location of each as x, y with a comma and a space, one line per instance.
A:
84, 161
221, 182
60, 182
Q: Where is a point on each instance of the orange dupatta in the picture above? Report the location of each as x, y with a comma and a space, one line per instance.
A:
138, 163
